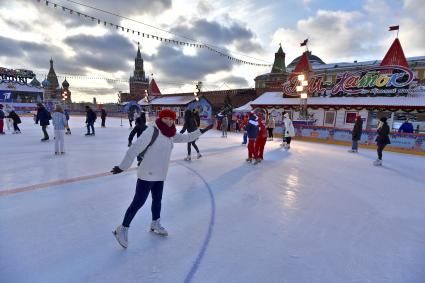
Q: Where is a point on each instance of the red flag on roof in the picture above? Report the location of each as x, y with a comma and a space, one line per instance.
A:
304, 43
393, 28
303, 66
395, 55
154, 88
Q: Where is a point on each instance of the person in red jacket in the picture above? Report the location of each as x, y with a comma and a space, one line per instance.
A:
261, 140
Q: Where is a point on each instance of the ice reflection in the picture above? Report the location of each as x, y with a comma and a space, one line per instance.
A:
289, 194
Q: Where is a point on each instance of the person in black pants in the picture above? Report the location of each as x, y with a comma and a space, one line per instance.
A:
16, 120
43, 116
191, 125
382, 139
90, 119
103, 117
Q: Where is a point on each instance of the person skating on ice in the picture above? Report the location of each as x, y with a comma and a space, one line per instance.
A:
252, 132
16, 120
157, 143
68, 129
59, 124
289, 131
260, 141
90, 119
382, 139
224, 125
356, 134
43, 117
103, 115
271, 124
190, 125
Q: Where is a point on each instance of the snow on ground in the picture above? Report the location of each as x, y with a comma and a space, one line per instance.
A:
313, 214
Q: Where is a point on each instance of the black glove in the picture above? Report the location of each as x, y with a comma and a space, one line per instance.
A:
116, 170
129, 143
209, 127
181, 132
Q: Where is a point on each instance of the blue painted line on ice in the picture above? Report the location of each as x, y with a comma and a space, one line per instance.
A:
207, 239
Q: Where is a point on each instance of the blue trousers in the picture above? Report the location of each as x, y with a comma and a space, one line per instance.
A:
245, 137
142, 192
355, 145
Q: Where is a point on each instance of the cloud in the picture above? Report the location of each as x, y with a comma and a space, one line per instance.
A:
176, 66
109, 53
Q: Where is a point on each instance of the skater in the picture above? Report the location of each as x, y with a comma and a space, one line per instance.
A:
261, 140
90, 119
16, 120
245, 134
252, 131
103, 117
271, 124
219, 118
140, 126
43, 116
1, 119
289, 131
59, 123
224, 126
157, 142
382, 139
7, 111
68, 129
190, 125
417, 129
356, 134
130, 118
406, 127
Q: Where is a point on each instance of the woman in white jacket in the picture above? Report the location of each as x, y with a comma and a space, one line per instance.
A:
289, 131
158, 139
59, 124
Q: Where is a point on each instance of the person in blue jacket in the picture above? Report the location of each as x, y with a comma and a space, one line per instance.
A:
252, 131
43, 116
406, 127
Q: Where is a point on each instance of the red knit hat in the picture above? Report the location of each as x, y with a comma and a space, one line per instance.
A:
167, 113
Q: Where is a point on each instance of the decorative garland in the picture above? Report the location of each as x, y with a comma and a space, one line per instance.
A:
151, 36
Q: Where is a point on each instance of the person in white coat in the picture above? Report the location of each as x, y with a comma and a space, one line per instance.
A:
7, 109
289, 131
59, 124
156, 144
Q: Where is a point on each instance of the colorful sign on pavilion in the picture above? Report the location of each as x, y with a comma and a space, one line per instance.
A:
379, 81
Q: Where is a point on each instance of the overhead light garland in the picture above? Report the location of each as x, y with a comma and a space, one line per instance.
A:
151, 36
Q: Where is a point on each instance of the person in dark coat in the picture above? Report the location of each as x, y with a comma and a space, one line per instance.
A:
90, 119
356, 134
252, 132
406, 127
138, 129
103, 117
190, 125
1, 119
43, 116
16, 120
382, 139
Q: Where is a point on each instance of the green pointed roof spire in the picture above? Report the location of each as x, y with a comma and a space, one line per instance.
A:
279, 61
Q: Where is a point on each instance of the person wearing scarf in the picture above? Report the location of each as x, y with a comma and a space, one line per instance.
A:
153, 169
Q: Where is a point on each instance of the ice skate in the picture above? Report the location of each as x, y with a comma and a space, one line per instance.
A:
44, 139
121, 234
157, 228
257, 161
88, 134
353, 150
199, 155
62, 152
377, 162
249, 160
188, 158
56, 153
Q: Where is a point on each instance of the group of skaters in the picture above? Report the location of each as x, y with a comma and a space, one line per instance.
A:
8, 115
257, 131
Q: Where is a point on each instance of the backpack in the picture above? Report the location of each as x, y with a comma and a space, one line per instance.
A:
142, 154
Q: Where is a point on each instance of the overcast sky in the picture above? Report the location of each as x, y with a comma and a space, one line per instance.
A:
338, 31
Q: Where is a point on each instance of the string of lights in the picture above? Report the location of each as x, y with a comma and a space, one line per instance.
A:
193, 43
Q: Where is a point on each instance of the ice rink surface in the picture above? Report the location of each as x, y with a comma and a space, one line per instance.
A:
313, 214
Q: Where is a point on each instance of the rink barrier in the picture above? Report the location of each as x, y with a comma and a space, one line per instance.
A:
400, 142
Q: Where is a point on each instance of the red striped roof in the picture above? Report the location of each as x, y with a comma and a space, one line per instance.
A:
395, 55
